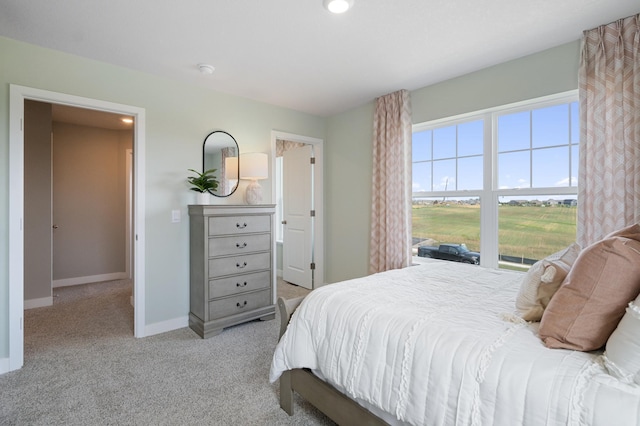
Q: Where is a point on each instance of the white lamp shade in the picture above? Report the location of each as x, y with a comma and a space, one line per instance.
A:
231, 168
254, 166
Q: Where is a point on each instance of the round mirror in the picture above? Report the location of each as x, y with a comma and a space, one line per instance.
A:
220, 152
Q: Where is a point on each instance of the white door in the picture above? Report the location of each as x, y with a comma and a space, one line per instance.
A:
297, 191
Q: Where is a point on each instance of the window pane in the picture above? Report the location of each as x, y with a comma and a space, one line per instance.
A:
530, 229
575, 157
469, 173
454, 220
444, 175
421, 176
470, 138
550, 167
513, 170
444, 142
514, 131
550, 126
421, 146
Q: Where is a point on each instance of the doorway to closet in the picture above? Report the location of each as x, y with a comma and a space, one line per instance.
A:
298, 189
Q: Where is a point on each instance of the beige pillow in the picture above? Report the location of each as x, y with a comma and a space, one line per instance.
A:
591, 301
542, 281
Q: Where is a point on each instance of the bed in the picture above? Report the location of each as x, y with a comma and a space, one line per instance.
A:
439, 344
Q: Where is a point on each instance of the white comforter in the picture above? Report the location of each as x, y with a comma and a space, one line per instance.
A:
437, 344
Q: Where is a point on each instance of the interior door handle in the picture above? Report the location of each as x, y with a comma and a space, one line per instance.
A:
284, 222
55, 226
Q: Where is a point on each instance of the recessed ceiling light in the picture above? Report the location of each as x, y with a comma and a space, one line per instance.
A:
206, 69
338, 6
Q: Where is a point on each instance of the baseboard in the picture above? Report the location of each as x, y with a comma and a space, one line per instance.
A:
90, 279
4, 365
164, 326
38, 303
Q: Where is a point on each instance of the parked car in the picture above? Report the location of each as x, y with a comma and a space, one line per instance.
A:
454, 252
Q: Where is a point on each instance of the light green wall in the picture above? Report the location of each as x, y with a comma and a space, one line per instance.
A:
178, 117
545, 73
348, 172
348, 152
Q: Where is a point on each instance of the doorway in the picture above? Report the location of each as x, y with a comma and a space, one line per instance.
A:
18, 96
303, 226
89, 216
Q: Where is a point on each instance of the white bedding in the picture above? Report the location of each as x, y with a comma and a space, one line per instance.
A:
438, 344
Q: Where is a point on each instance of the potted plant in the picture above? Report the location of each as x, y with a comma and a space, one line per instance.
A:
203, 183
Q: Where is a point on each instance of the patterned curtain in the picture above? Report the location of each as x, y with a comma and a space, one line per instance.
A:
390, 245
282, 146
609, 86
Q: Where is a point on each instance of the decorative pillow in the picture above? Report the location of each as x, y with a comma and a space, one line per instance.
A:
622, 355
542, 281
591, 301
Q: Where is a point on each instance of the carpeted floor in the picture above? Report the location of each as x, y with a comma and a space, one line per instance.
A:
84, 367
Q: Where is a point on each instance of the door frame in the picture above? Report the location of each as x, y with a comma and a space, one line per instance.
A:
18, 94
318, 194
128, 233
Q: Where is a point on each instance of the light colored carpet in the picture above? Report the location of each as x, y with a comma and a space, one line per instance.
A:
84, 367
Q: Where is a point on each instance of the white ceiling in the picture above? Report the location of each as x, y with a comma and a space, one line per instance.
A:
294, 53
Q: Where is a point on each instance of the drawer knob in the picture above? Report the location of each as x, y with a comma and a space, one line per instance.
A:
241, 305
244, 284
241, 226
241, 246
239, 266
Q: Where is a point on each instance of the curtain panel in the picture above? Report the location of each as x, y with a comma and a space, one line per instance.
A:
390, 242
282, 146
609, 93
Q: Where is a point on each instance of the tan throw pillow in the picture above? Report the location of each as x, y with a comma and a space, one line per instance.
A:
542, 281
591, 301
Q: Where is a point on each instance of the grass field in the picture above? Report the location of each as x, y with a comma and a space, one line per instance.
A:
524, 231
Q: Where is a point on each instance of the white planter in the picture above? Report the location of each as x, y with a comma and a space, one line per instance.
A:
203, 198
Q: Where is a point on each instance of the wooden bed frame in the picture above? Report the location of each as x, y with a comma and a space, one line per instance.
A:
337, 406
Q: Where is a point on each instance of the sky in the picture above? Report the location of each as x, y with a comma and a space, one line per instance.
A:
533, 151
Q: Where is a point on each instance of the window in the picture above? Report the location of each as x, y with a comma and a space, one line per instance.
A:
508, 174
448, 158
538, 148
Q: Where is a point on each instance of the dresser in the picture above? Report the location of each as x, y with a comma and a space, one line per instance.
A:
232, 266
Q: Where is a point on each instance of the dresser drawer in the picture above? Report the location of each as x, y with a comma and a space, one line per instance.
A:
239, 304
240, 244
238, 284
221, 266
226, 225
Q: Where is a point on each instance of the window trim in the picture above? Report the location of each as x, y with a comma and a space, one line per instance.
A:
490, 192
